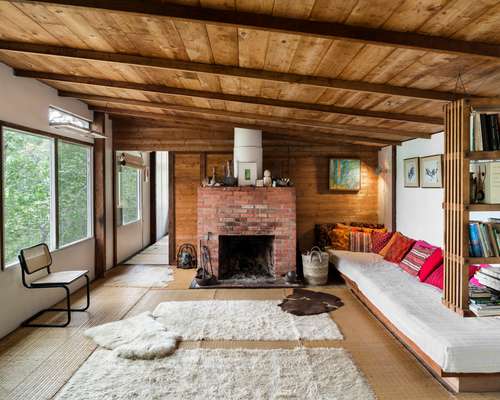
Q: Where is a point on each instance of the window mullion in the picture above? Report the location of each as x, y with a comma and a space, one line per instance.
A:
54, 206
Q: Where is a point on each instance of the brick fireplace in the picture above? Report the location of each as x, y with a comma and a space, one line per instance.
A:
264, 218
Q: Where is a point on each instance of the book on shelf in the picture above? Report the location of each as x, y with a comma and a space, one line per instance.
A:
479, 293
484, 239
487, 280
485, 132
485, 310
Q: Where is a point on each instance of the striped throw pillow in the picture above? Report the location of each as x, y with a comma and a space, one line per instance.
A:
415, 259
360, 242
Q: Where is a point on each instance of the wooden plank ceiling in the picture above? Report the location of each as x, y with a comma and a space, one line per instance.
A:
371, 72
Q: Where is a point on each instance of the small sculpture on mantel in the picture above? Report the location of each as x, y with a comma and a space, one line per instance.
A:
229, 179
268, 181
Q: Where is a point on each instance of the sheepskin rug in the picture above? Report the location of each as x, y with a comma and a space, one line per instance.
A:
140, 276
207, 374
139, 337
242, 320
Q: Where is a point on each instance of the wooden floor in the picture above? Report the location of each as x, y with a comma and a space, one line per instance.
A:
35, 363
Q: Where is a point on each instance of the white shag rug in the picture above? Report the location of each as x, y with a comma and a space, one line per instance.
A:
205, 374
141, 276
139, 337
242, 320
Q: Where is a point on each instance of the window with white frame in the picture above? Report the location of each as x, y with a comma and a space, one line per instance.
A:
74, 192
33, 172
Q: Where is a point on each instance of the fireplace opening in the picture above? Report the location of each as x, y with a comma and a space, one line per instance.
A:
246, 257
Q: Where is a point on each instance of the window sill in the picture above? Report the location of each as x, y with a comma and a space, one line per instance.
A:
66, 246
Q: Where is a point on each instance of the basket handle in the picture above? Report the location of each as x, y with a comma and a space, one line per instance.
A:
315, 252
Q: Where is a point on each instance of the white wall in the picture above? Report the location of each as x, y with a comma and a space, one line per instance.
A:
385, 187
161, 193
419, 212
25, 101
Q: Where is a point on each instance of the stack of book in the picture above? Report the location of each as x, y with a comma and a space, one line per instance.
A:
484, 238
484, 132
482, 302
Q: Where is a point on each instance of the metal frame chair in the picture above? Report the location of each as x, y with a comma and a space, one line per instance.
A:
37, 258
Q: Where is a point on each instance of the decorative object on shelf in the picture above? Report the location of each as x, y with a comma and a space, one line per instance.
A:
431, 171
213, 179
205, 273
473, 187
315, 264
291, 277
477, 183
344, 175
411, 171
283, 182
229, 179
259, 183
268, 181
186, 256
247, 173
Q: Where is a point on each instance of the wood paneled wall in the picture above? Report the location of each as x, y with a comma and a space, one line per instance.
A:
187, 180
309, 171
306, 165
315, 203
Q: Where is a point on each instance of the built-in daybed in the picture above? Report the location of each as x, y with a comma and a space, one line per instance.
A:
464, 353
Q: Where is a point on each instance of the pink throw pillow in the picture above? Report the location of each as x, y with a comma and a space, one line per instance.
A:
379, 240
415, 259
436, 277
430, 264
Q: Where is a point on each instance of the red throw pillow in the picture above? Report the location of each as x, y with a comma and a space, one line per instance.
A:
436, 277
399, 248
430, 264
379, 240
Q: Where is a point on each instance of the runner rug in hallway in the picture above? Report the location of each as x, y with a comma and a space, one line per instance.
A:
203, 374
242, 320
156, 254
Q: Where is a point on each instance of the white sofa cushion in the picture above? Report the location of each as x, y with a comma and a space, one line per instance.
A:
456, 344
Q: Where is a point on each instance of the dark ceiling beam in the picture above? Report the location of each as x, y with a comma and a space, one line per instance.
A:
225, 70
287, 131
154, 88
246, 116
319, 29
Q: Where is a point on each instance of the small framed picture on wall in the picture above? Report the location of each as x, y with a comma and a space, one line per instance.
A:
431, 171
412, 172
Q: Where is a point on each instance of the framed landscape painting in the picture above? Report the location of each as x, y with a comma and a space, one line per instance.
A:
431, 171
412, 172
344, 175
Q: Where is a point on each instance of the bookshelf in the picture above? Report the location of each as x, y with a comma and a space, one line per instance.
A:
457, 159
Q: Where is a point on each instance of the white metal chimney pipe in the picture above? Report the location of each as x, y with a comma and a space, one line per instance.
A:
248, 148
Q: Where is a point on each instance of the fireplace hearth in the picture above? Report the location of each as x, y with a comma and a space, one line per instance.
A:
246, 257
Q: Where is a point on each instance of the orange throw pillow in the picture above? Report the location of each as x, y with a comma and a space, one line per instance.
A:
339, 239
399, 248
386, 248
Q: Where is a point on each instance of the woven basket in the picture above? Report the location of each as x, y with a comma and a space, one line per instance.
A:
315, 264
